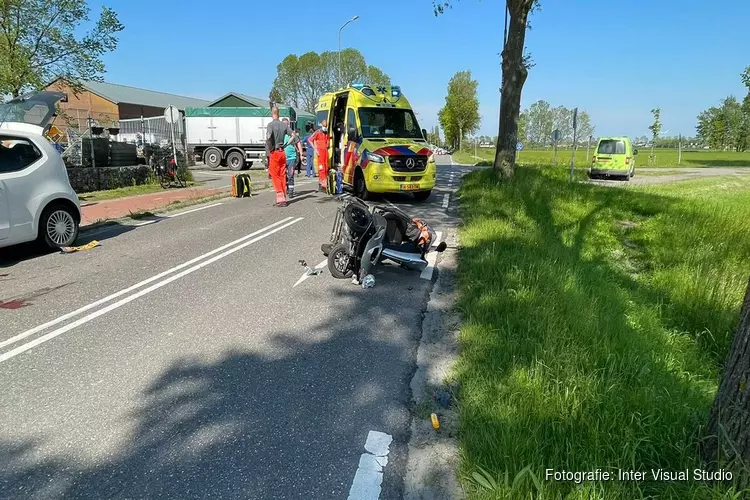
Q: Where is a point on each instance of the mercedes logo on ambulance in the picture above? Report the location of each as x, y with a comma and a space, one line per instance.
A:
410, 163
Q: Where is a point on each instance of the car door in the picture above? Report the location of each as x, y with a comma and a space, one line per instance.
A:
352, 138
20, 159
4, 211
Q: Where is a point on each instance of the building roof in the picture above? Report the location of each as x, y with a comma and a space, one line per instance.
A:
256, 101
132, 95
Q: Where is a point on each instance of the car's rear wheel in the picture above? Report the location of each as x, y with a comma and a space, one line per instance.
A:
339, 262
58, 226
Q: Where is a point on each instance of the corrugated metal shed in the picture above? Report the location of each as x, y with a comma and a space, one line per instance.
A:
132, 95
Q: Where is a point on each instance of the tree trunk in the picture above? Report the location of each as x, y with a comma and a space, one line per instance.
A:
460, 138
514, 76
727, 442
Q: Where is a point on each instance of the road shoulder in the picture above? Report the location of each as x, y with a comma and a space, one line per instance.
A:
433, 455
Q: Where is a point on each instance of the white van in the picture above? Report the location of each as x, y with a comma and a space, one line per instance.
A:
36, 199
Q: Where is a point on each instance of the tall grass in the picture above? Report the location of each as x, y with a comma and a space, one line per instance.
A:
596, 323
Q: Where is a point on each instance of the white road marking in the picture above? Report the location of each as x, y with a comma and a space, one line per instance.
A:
431, 258
99, 302
146, 223
194, 210
446, 200
305, 276
44, 338
369, 475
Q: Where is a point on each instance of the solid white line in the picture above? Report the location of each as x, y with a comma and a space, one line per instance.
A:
431, 259
369, 475
99, 302
446, 200
146, 223
194, 210
44, 338
305, 276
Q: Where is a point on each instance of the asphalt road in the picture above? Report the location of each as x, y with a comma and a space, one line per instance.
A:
179, 360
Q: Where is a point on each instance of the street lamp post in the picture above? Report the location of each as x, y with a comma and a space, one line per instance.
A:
340, 29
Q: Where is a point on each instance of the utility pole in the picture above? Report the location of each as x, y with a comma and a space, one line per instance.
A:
679, 149
340, 29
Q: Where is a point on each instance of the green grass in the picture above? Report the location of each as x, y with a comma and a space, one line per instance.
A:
665, 158
596, 322
124, 192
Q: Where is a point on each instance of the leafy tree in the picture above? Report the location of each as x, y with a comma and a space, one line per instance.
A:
515, 66
462, 105
40, 40
563, 121
301, 81
449, 129
585, 128
655, 127
541, 120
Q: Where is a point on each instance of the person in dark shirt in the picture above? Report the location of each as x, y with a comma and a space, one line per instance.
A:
275, 134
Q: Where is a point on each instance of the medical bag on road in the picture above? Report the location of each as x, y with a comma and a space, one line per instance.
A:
242, 185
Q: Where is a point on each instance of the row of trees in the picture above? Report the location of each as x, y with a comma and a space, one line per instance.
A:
460, 115
300, 81
727, 126
536, 124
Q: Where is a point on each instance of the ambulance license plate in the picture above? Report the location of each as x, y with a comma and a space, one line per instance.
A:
409, 187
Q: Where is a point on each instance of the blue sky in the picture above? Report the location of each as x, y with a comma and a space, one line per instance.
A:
615, 59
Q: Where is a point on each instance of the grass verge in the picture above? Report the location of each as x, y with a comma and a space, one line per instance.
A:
124, 192
596, 322
665, 158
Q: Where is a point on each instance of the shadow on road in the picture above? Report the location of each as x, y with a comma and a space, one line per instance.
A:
11, 256
277, 423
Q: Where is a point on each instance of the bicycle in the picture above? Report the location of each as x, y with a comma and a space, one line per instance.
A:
167, 171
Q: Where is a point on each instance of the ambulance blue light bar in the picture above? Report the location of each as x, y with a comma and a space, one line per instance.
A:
395, 91
358, 86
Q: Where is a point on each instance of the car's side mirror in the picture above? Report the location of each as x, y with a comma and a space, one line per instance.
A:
424, 133
352, 133
635, 152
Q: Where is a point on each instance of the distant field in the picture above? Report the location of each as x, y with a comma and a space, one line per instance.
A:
665, 158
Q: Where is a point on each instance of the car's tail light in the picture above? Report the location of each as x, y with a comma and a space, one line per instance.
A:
627, 160
593, 160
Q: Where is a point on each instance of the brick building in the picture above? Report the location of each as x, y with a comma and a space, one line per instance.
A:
108, 103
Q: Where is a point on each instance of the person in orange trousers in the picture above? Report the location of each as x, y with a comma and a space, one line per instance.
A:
275, 134
319, 140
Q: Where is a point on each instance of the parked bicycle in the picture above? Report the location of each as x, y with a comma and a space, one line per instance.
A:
167, 171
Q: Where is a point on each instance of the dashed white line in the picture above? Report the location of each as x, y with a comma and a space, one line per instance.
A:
305, 276
193, 210
124, 291
369, 475
431, 258
446, 200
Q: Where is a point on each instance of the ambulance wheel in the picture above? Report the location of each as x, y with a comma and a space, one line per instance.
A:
236, 161
339, 262
212, 158
360, 186
422, 195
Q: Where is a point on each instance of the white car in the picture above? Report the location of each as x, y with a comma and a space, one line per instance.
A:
36, 199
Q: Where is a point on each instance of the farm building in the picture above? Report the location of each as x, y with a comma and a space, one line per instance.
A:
237, 100
108, 103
